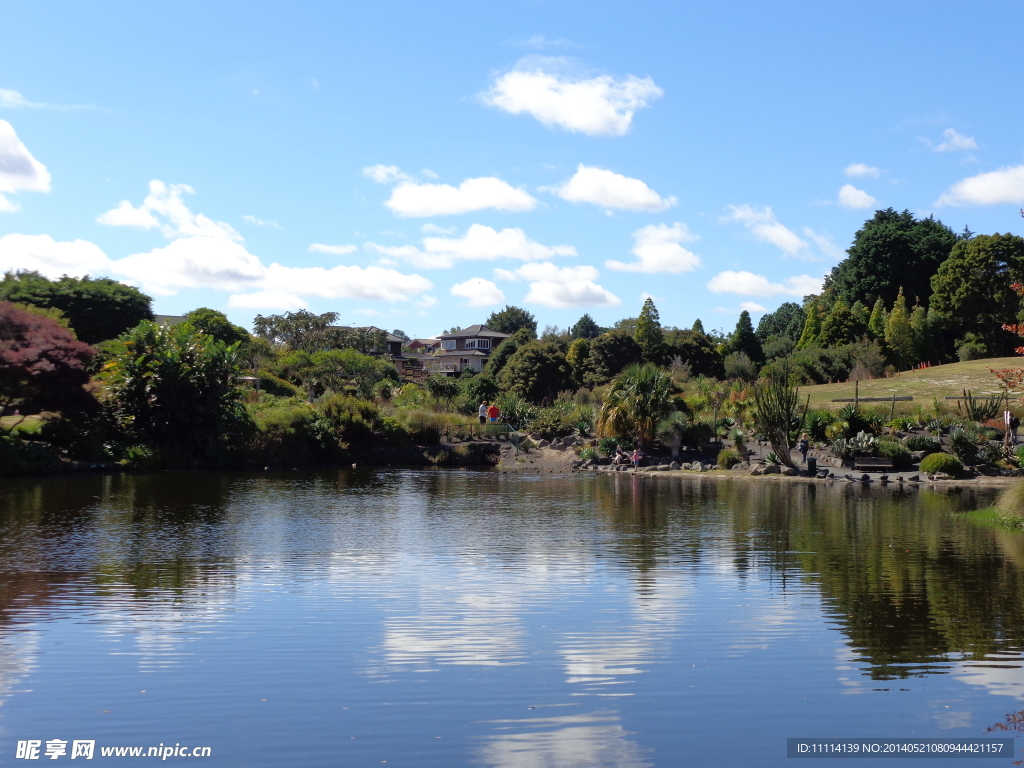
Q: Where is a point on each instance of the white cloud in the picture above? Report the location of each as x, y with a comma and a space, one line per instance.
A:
13, 100
194, 262
432, 229
127, 215
954, 141
749, 284
751, 306
347, 282
479, 243
657, 249
561, 287
261, 222
430, 174
51, 258
281, 300
542, 41
385, 174
825, 244
334, 250
19, 171
611, 190
479, 292
1005, 185
412, 199
766, 228
164, 201
862, 171
851, 197
598, 106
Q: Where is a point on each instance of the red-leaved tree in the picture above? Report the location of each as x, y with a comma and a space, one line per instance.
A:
42, 364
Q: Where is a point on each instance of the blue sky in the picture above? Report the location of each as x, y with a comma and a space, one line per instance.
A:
416, 165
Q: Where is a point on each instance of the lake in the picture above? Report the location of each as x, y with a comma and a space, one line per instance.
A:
471, 618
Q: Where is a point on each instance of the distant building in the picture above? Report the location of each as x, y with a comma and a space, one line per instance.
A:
423, 345
468, 348
168, 319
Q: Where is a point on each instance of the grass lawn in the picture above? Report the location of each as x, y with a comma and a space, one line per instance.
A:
925, 385
30, 426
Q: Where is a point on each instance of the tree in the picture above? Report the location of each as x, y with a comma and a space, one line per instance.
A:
892, 250
585, 328
640, 397
744, 340
172, 387
500, 356
698, 326
216, 324
609, 354
696, 350
812, 327
402, 335
578, 357
96, 308
511, 319
787, 321
42, 365
295, 330
925, 348
671, 431
479, 388
537, 372
841, 326
876, 323
972, 290
337, 370
899, 336
648, 333
442, 388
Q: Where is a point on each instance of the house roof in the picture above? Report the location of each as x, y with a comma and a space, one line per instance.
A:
460, 353
424, 342
475, 332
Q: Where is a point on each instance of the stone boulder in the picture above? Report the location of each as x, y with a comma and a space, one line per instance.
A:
543, 443
570, 440
772, 469
674, 465
790, 471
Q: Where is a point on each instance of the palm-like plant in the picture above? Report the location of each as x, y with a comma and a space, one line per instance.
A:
640, 397
671, 431
778, 406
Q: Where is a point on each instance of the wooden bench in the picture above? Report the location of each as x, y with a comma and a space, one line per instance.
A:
871, 464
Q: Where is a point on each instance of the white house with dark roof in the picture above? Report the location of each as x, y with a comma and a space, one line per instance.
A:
469, 348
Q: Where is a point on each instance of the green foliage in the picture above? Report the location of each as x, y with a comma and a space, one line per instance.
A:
744, 340
890, 250
216, 324
816, 422
923, 443
728, 458
698, 326
537, 372
778, 406
672, 430
990, 453
739, 366
337, 370
1011, 502
941, 462
554, 422
511, 319
424, 427
695, 349
588, 454
610, 353
786, 322
895, 450
968, 349
812, 327
778, 346
96, 308
841, 326
607, 445
585, 328
21, 457
274, 385
640, 397
876, 323
479, 388
172, 387
442, 388
899, 335
515, 410
815, 365
648, 333
972, 293
578, 357
500, 356
963, 443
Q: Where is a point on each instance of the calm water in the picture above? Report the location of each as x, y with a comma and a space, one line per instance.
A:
468, 618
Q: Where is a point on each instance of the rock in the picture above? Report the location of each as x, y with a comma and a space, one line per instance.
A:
772, 469
917, 455
698, 466
743, 465
757, 470
942, 476
535, 437
822, 474
556, 441
831, 475
865, 478
899, 479
557, 446
570, 440
914, 479
674, 465
543, 444
790, 471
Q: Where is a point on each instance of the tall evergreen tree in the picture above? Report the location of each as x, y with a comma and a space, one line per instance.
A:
698, 326
899, 336
925, 350
876, 323
812, 327
744, 340
841, 326
787, 321
511, 319
585, 328
648, 333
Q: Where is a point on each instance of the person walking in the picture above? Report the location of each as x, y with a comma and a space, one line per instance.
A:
803, 446
1014, 426
493, 413
483, 412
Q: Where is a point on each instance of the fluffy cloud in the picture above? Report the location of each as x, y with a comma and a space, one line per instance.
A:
287, 302
598, 106
347, 282
766, 228
412, 199
255, 220
19, 171
479, 243
611, 190
752, 306
479, 292
862, 171
657, 249
561, 287
954, 141
1003, 186
385, 174
825, 244
749, 284
51, 258
164, 202
334, 250
851, 197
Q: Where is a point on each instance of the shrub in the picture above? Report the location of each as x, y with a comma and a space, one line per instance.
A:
1019, 455
588, 453
816, 422
738, 365
607, 445
990, 453
903, 424
963, 443
728, 458
971, 351
923, 443
895, 450
424, 427
1011, 501
274, 385
552, 422
941, 462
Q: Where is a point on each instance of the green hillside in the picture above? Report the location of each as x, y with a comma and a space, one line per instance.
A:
924, 385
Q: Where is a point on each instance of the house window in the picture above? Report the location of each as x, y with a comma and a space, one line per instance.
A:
478, 344
449, 344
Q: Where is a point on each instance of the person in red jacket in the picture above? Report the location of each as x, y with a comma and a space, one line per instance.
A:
492, 413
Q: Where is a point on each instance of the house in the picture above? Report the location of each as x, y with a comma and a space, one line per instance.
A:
469, 348
423, 345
